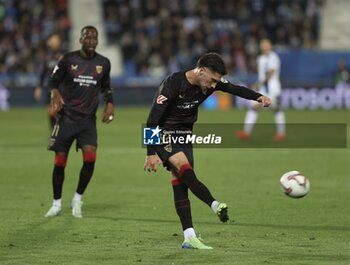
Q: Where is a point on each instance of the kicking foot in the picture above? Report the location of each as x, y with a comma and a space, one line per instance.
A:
54, 211
194, 243
76, 209
221, 211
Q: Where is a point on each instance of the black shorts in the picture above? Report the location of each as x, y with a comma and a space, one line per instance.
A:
167, 150
63, 134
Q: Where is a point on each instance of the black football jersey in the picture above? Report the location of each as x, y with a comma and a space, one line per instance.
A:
80, 80
176, 102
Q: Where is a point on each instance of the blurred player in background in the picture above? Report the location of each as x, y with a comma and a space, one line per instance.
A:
75, 85
4, 96
268, 84
175, 107
52, 56
342, 74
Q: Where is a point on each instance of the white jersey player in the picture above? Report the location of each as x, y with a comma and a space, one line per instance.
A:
4, 96
268, 84
268, 71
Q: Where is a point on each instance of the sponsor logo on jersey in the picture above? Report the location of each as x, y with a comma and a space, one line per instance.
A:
99, 69
85, 80
168, 148
188, 105
161, 99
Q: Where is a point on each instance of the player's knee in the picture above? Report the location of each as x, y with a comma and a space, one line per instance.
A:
89, 157
183, 168
60, 160
176, 182
88, 148
178, 160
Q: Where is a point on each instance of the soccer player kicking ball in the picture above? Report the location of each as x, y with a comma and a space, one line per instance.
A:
75, 85
175, 107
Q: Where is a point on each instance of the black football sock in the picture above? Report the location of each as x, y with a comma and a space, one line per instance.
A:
57, 181
85, 176
182, 203
197, 188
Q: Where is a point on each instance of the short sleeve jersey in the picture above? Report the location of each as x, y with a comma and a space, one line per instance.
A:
266, 63
80, 80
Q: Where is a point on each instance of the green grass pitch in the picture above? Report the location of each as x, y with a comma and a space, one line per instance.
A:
129, 216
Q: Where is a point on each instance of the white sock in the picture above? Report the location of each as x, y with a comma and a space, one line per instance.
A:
250, 119
214, 206
189, 232
77, 197
57, 203
280, 121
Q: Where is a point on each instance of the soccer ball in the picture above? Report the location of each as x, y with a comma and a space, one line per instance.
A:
294, 184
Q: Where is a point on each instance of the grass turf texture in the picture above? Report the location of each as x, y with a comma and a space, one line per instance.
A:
129, 216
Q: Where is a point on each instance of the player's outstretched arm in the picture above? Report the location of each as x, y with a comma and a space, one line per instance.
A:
151, 163
57, 101
108, 113
243, 92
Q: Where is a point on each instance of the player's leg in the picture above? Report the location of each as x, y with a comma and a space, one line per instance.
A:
280, 119
89, 158
182, 205
60, 142
183, 210
249, 121
187, 175
181, 200
87, 141
57, 184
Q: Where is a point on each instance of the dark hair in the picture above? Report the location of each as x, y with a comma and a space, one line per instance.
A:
87, 27
213, 61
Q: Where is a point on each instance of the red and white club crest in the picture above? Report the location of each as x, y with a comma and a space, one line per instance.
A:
161, 99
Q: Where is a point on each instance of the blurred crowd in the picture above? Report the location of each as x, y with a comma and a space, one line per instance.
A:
25, 26
162, 36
